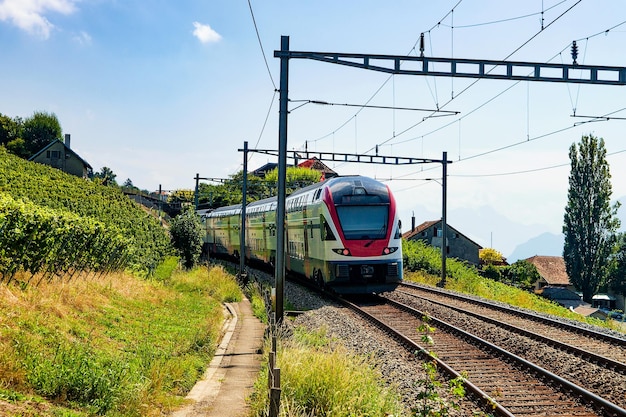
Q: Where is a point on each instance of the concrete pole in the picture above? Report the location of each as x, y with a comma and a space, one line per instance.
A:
282, 179
243, 276
444, 220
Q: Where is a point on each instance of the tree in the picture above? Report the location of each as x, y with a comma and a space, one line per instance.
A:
617, 280
10, 129
186, 232
590, 221
490, 256
523, 273
295, 178
181, 196
106, 176
39, 130
211, 195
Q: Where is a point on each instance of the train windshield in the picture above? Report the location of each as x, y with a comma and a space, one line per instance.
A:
364, 222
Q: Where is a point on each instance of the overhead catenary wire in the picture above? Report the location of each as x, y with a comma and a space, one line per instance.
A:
256, 29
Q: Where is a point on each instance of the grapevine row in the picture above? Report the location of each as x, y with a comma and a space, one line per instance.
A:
38, 239
51, 189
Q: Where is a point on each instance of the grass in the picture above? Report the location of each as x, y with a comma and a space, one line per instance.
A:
321, 378
425, 261
121, 346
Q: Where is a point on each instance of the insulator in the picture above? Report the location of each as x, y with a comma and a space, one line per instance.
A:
422, 44
574, 52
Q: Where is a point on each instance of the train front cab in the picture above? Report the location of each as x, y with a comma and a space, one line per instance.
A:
363, 236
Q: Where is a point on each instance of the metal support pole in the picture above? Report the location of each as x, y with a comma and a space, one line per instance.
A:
195, 192
244, 200
444, 220
282, 179
160, 201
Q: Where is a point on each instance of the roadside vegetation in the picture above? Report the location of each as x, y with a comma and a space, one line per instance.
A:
319, 377
422, 264
118, 346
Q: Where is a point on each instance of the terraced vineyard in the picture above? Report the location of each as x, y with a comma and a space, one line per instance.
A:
54, 223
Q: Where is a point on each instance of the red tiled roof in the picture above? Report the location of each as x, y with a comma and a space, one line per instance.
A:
316, 164
551, 268
419, 229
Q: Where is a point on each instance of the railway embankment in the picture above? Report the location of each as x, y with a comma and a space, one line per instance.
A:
116, 345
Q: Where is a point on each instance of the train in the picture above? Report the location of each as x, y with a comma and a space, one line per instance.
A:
343, 233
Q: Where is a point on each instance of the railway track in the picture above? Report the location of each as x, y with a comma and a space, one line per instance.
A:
510, 384
600, 348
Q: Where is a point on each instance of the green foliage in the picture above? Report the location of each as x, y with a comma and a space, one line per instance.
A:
165, 269
617, 277
38, 239
105, 176
492, 272
523, 274
223, 288
126, 347
231, 191
61, 196
590, 222
186, 232
295, 177
74, 372
423, 264
181, 196
431, 404
418, 256
39, 130
18, 147
319, 378
10, 129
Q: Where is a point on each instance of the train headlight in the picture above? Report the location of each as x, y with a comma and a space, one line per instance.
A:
389, 250
342, 251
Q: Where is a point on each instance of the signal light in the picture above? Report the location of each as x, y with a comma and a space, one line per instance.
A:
342, 251
389, 250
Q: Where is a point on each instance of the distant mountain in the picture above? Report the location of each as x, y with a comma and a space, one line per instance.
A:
546, 244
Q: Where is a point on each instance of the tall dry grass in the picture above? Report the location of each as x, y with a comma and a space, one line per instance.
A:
117, 346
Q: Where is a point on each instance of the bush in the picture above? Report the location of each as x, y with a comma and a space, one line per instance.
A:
186, 233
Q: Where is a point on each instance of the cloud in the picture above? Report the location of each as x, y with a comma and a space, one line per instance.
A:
29, 15
205, 33
82, 38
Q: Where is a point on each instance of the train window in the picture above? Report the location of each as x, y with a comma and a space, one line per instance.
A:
364, 222
325, 230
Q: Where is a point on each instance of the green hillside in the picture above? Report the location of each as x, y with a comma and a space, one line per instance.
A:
54, 222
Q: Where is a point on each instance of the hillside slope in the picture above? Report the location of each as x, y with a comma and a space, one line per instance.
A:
53, 189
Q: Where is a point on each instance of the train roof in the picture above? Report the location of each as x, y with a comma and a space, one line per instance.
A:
341, 181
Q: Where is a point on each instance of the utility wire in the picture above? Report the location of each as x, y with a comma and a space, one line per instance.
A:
261, 44
475, 82
384, 83
493, 22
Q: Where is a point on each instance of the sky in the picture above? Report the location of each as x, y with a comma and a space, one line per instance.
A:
161, 91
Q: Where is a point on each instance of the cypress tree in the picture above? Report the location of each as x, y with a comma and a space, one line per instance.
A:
590, 222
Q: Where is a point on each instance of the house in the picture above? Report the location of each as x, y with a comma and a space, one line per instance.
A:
563, 296
312, 163
59, 155
552, 272
316, 164
457, 244
261, 171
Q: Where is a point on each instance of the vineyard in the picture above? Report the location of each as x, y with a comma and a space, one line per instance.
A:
54, 224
